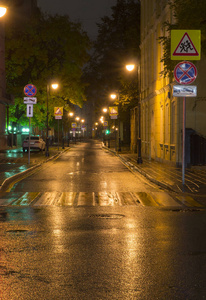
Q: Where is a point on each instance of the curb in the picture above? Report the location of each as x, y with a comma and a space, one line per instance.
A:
9, 180
132, 166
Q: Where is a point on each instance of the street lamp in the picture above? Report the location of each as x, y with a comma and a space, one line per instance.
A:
2, 11
130, 68
54, 86
70, 114
105, 110
114, 96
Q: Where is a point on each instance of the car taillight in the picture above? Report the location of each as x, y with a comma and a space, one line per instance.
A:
37, 142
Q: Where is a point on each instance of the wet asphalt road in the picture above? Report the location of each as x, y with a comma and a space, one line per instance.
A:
77, 229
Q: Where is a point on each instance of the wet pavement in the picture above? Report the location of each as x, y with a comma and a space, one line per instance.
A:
166, 176
82, 226
14, 162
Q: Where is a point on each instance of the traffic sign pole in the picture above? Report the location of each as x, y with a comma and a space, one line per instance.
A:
185, 73
30, 91
183, 141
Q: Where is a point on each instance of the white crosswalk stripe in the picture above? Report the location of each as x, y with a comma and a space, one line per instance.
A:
39, 199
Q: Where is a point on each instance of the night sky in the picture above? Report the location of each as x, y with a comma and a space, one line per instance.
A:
88, 12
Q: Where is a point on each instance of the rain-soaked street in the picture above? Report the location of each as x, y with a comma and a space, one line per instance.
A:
84, 226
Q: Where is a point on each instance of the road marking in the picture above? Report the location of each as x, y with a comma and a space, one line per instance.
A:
107, 199
163, 199
146, 199
189, 201
86, 199
25, 199
48, 198
153, 199
66, 199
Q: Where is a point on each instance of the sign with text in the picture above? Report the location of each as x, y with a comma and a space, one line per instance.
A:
184, 91
30, 100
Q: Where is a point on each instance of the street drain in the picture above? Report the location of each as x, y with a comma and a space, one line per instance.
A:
108, 216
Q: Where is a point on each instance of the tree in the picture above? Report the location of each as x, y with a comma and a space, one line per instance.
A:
46, 48
190, 14
117, 43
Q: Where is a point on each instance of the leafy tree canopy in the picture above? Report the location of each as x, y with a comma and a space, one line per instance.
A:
117, 43
47, 48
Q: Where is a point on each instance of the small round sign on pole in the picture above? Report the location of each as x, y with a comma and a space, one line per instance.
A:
185, 72
30, 90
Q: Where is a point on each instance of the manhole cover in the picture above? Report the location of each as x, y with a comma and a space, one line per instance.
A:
108, 216
186, 210
18, 231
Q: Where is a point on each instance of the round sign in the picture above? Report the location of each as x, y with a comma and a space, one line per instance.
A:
185, 72
30, 90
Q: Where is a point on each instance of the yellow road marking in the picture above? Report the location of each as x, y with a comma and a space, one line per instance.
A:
26, 199
189, 201
86, 199
146, 199
165, 200
66, 198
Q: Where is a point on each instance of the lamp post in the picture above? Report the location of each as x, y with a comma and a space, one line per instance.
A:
3, 107
71, 114
54, 86
114, 96
130, 68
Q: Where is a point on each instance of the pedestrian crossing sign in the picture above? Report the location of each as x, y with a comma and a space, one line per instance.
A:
58, 111
185, 44
113, 112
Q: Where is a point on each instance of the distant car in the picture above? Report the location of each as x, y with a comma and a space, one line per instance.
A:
36, 142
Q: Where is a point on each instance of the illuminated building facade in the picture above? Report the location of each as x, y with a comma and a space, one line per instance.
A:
161, 113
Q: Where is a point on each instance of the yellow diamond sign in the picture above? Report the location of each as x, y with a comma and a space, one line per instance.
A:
185, 44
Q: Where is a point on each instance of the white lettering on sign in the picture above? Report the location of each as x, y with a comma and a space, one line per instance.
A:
184, 91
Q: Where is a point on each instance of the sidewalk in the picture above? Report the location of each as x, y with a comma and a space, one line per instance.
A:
166, 176
13, 162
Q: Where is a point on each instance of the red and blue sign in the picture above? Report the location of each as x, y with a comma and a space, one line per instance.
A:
30, 90
185, 72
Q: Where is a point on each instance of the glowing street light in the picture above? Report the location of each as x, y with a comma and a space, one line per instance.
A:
130, 67
3, 10
54, 86
113, 96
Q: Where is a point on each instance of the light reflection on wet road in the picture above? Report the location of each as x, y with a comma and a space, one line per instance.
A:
86, 168
85, 227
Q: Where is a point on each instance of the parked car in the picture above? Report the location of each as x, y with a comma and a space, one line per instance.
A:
36, 142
